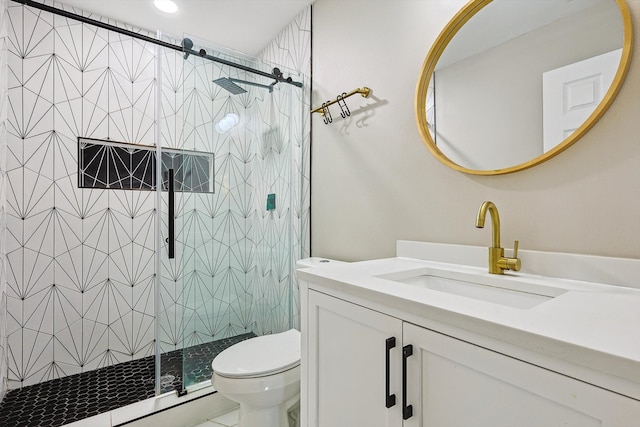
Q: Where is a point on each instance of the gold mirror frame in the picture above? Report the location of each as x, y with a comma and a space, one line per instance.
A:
450, 30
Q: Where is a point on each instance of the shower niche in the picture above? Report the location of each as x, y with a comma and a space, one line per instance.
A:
112, 165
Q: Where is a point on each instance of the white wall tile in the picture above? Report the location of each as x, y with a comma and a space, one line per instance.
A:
99, 243
94, 342
37, 350
4, 329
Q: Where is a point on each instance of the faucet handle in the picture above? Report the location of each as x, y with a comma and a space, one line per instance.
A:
514, 263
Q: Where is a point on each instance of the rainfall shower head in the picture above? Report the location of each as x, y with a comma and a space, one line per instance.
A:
229, 85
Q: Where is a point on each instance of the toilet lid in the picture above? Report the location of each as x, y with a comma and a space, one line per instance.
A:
260, 356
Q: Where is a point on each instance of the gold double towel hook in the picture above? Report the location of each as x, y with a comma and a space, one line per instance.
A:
340, 100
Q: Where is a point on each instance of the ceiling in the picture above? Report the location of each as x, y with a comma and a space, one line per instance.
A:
245, 26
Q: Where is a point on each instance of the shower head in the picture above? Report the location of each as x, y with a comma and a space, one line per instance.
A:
187, 44
229, 85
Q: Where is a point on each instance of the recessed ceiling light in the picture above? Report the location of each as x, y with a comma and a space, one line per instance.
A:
167, 6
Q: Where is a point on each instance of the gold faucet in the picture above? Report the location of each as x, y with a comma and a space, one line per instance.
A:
498, 263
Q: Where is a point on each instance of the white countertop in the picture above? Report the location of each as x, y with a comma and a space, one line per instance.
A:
593, 326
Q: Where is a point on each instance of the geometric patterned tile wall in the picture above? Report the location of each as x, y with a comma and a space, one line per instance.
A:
3, 198
203, 294
233, 273
81, 262
292, 49
272, 230
229, 239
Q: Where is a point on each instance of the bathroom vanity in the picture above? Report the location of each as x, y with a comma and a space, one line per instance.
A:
430, 338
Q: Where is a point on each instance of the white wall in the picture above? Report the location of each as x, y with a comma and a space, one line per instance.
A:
374, 181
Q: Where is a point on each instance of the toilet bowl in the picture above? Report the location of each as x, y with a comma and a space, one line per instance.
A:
262, 374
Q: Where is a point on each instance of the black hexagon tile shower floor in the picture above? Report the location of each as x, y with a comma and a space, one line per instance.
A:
64, 400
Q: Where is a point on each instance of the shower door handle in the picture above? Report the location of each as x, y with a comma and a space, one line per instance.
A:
171, 241
390, 399
407, 410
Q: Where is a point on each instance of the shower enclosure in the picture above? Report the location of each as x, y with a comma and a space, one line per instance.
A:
97, 123
228, 140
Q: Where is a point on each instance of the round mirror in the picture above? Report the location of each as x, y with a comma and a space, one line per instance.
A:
509, 84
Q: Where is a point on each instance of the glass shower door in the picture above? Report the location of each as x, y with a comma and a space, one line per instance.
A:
211, 238
236, 191
171, 278
175, 166
191, 219
186, 183
237, 238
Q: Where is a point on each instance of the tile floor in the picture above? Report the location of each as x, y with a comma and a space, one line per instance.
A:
227, 420
64, 400
230, 419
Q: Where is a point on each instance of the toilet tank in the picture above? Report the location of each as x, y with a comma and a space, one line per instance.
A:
315, 262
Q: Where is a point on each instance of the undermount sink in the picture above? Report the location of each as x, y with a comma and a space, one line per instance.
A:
491, 288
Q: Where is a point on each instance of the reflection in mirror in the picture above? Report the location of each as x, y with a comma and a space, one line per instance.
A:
520, 80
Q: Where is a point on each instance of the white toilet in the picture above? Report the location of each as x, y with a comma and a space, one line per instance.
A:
262, 374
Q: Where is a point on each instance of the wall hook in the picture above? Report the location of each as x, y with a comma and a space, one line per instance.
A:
340, 100
344, 109
326, 113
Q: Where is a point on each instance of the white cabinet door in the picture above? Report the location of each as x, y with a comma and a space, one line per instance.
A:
347, 356
452, 383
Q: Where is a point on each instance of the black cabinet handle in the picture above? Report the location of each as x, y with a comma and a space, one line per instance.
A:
390, 398
407, 410
171, 242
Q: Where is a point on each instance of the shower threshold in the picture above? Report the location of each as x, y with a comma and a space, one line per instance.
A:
68, 399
